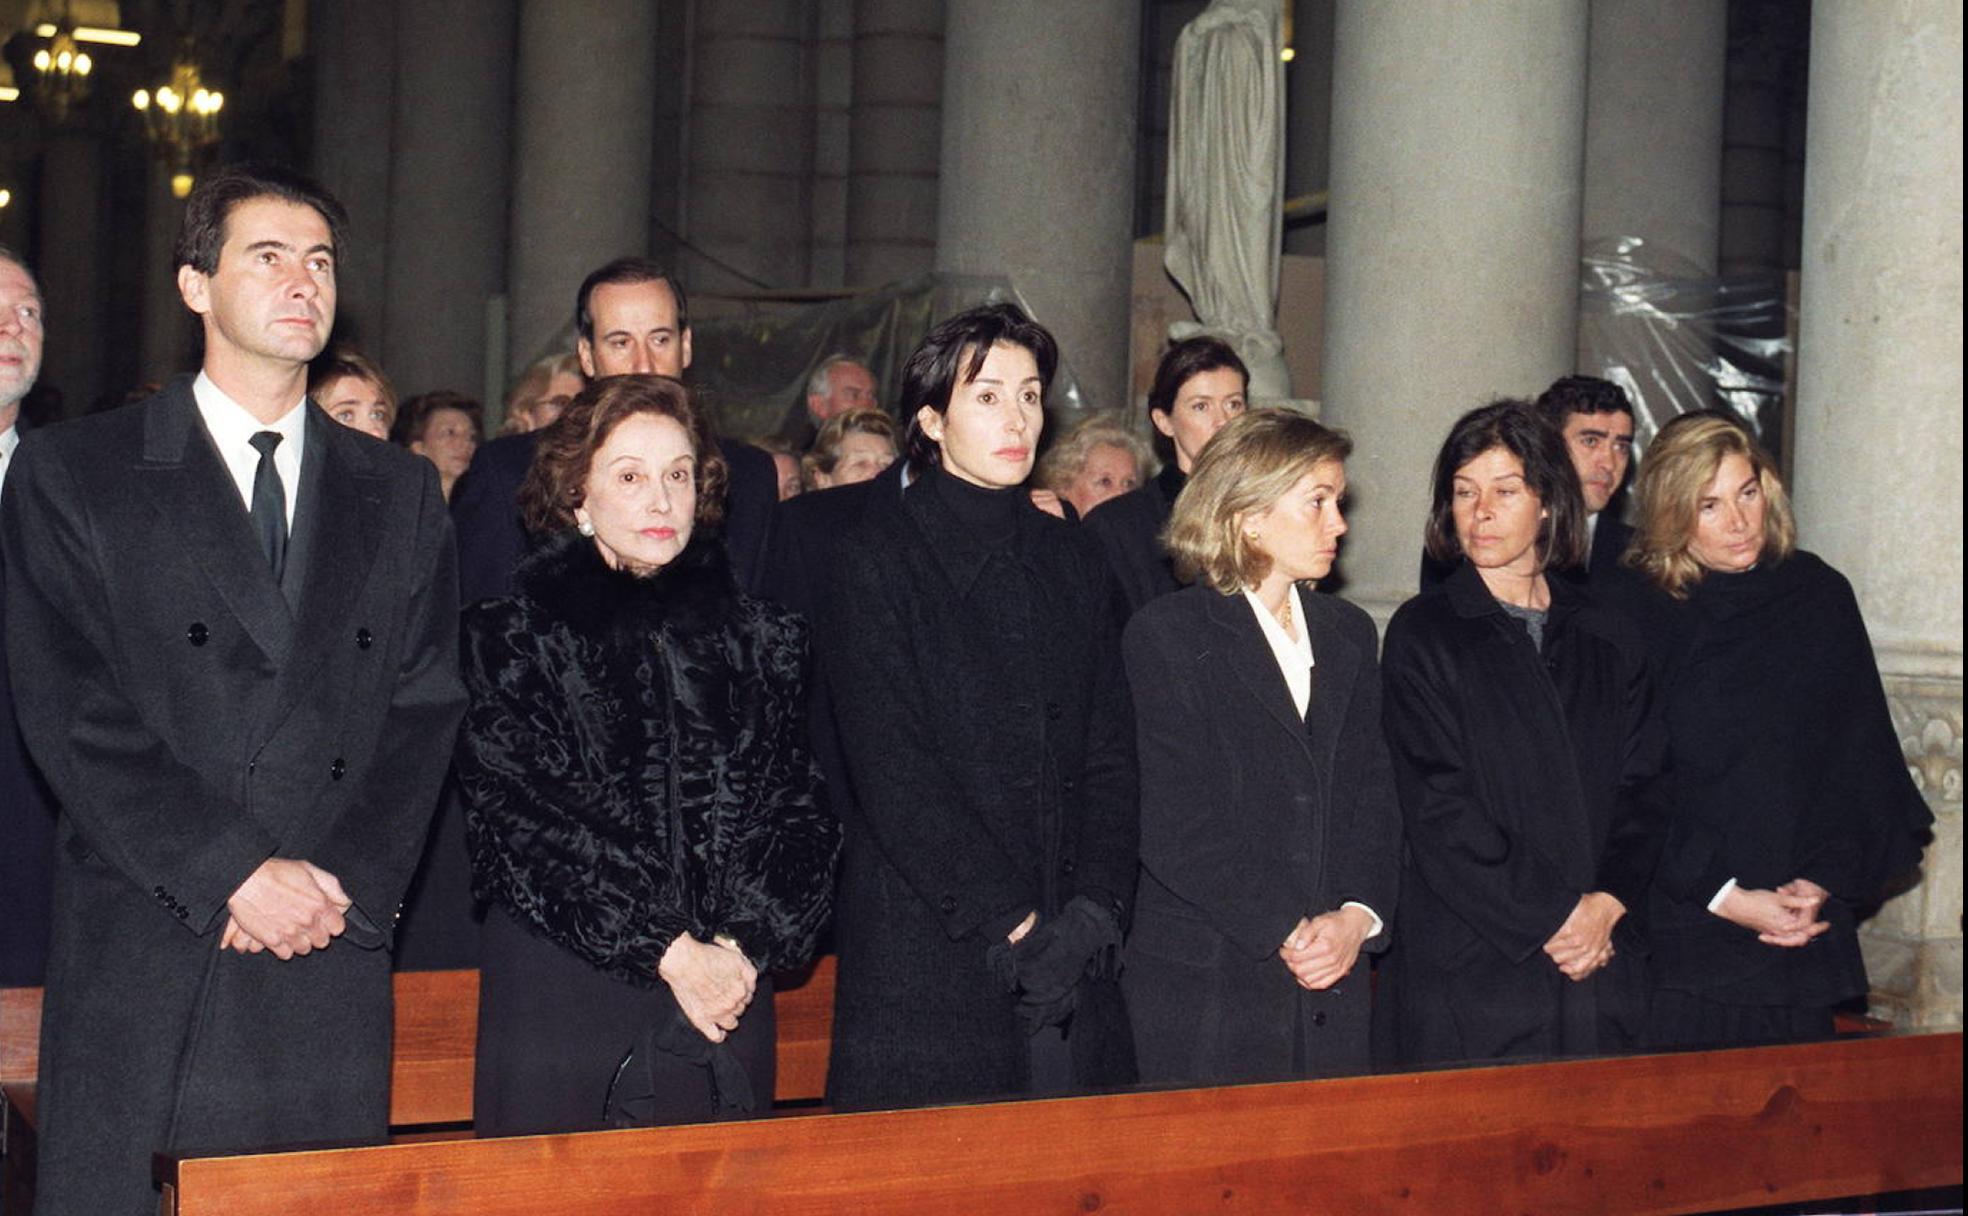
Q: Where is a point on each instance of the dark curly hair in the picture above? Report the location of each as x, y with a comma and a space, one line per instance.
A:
556, 483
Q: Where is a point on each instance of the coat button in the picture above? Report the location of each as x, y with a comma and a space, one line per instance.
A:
158, 892
1069, 785
197, 634
364, 639
948, 903
1318, 1017
182, 913
337, 769
1067, 866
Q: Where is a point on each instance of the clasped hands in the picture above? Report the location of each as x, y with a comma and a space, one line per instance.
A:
1321, 951
1787, 916
1584, 943
286, 906
713, 982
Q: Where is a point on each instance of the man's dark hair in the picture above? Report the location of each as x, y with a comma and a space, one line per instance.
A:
954, 352
1570, 395
1519, 428
202, 233
623, 272
1186, 359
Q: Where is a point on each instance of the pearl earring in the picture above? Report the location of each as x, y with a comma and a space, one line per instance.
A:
584, 527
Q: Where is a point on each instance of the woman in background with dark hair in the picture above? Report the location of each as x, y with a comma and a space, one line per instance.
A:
1270, 837
1524, 749
1199, 387
444, 428
643, 818
1791, 800
990, 841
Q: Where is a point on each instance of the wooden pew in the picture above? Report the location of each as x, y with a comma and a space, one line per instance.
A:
1646, 1134
436, 1038
431, 1076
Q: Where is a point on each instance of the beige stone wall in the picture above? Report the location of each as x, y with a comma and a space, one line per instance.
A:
1913, 947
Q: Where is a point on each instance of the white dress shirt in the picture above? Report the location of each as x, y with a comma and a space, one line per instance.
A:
232, 430
9, 440
1295, 663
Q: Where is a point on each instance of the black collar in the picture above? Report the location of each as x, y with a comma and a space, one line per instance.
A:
565, 575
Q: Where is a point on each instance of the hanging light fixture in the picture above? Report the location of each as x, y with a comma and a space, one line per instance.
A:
181, 121
61, 72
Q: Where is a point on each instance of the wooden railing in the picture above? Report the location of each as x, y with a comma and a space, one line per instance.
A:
1647, 1134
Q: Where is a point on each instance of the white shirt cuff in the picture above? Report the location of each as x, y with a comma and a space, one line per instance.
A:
1715, 904
1378, 925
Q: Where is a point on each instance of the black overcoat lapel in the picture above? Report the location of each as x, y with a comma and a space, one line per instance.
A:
197, 500
1337, 663
1251, 661
339, 521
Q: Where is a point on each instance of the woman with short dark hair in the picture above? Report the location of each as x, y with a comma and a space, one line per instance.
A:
974, 669
1270, 835
642, 813
1525, 753
1199, 386
1792, 807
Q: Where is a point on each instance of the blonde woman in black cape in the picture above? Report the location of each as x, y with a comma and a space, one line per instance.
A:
1269, 827
1792, 806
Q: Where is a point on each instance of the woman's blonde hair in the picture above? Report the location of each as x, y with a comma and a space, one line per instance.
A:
531, 387
1680, 465
1247, 466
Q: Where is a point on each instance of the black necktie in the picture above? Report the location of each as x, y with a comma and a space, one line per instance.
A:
270, 504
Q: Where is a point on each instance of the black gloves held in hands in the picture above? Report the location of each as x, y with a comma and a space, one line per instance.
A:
1046, 965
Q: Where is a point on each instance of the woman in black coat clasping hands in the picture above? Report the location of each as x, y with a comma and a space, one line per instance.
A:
1269, 828
1525, 748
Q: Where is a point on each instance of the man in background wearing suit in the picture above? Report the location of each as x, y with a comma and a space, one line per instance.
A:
233, 631
27, 816
632, 318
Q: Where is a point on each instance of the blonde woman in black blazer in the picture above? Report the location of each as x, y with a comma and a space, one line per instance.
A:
1269, 827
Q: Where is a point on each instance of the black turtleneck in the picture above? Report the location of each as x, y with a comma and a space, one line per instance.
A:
1171, 480
989, 515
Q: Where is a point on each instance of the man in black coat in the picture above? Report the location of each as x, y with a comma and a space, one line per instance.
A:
233, 630
27, 814
632, 317
1596, 419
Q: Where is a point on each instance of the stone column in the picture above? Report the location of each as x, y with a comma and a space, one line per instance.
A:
1452, 251
750, 191
354, 79
1038, 178
70, 269
1653, 125
584, 105
448, 182
895, 140
1878, 472
168, 340
1653, 171
1308, 116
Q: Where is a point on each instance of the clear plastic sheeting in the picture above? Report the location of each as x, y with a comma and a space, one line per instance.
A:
751, 355
1679, 340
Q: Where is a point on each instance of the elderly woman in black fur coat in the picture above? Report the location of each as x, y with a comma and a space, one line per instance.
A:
975, 669
643, 815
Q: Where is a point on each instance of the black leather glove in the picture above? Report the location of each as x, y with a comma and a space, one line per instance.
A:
1047, 964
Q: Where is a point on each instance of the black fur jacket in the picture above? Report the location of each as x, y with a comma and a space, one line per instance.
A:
635, 761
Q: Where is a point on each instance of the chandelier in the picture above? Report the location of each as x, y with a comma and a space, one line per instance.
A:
62, 72
181, 121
